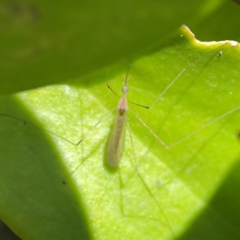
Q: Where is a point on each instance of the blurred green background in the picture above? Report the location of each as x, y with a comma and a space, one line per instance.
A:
46, 42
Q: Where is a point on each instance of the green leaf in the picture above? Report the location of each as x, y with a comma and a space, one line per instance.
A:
51, 189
